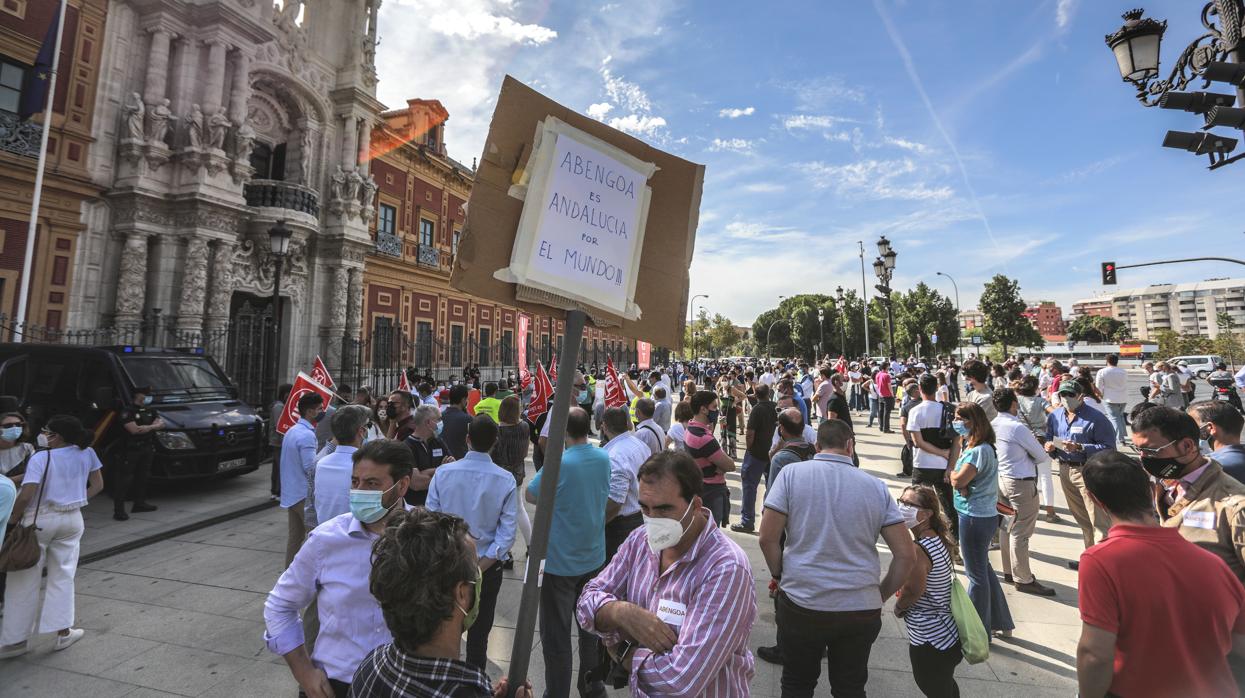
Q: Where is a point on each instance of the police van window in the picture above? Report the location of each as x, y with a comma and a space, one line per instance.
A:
180, 379
13, 381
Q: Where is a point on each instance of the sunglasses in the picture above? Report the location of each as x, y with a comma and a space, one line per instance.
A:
1155, 451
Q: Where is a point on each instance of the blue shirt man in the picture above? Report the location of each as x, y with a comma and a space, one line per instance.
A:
482, 493
1074, 432
576, 550
298, 470
332, 483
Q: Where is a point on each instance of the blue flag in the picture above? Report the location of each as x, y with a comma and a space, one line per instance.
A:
35, 91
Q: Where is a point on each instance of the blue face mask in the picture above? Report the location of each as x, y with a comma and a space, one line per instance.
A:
960, 427
367, 505
11, 434
147, 400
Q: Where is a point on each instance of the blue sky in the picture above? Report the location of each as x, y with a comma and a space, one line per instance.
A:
980, 136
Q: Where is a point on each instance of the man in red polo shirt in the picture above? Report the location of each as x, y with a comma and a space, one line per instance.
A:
886, 399
710, 458
1159, 615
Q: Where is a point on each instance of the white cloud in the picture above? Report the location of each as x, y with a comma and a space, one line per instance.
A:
637, 124
735, 112
1064, 10
764, 188
798, 122
817, 93
736, 145
913, 146
628, 94
599, 110
874, 179
474, 23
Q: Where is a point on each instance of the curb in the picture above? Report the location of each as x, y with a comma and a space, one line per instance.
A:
173, 533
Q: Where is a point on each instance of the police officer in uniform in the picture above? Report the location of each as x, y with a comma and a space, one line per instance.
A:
140, 423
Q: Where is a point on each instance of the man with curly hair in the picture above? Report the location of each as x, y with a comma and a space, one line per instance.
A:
426, 579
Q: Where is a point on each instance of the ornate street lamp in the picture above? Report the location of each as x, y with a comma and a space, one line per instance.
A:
884, 267
279, 245
1215, 56
840, 302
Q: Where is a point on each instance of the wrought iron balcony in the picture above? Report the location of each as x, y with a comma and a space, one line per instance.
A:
19, 137
429, 256
272, 193
388, 243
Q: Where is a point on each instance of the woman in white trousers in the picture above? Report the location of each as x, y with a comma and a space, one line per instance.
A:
60, 478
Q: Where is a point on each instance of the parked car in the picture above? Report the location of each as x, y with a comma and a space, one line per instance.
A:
210, 432
1200, 365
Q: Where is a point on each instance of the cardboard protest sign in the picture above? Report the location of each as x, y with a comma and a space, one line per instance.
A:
320, 374
605, 223
302, 385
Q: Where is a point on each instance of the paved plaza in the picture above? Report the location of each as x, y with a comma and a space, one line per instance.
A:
184, 616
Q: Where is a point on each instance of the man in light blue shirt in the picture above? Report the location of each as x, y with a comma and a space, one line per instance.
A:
482, 493
298, 462
576, 551
331, 570
1074, 432
332, 482
627, 453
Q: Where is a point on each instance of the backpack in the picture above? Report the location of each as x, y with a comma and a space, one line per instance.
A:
944, 435
804, 451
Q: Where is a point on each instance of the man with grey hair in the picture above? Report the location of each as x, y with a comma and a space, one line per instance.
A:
627, 453
350, 425
648, 430
429, 452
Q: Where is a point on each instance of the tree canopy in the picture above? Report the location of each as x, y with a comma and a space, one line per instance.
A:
1004, 311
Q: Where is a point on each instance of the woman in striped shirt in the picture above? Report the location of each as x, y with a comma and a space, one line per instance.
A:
925, 600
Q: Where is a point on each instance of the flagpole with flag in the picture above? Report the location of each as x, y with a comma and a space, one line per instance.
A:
45, 83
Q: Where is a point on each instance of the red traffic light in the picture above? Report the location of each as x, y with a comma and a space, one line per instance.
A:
1108, 273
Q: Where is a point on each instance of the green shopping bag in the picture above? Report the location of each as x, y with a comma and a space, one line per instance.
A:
974, 640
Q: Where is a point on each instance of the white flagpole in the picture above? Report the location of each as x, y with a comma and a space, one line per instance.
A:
23, 295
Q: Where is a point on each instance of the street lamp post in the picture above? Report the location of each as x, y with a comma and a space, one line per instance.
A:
841, 299
864, 296
691, 323
959, 345
884, 268
1215, 56
821, 330
279, 245
769, 337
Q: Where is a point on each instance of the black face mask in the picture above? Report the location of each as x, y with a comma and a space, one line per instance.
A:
391, 408
1162, 468
713, 417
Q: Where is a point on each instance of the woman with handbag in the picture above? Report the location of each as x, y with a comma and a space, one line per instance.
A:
925, 600
60, 478
976, 483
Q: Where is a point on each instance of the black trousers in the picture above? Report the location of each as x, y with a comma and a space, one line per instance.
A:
477, 636
886, 405
934, 477
805, 636
274, 486
129, 480
340, 689
558, 596
617, 530
934, 669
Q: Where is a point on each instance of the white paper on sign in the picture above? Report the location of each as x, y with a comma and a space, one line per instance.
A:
671, 612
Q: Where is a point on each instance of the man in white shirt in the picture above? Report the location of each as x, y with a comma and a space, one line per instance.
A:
767, 377
1113, 382
1019, 453
648, 430
333, 471
627, 453
934, 452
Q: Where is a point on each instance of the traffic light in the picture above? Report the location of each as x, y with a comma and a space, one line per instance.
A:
1108, 273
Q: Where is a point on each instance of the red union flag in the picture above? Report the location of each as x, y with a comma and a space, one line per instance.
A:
553, 370
540, 394
302, 385
320, 374
403, 383
643, 355
525, 376
614, 395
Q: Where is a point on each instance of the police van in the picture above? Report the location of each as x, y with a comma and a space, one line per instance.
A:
209, 430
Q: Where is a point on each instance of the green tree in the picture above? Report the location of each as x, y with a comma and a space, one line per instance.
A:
1097, 329
920, 314
1004, 309
812, 325
1172, 344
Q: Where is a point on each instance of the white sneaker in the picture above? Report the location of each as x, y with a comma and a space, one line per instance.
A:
63, 641
14, 650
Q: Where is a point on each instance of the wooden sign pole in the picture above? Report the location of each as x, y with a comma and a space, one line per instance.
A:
529, 607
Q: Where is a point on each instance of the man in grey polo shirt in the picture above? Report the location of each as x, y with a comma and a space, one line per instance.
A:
828, 591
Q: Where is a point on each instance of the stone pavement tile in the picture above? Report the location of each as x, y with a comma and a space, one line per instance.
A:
92, 655
892, 654
149, 693
215, 600
259, 679
181, 670
976, 688
125, 587
1034, 663
251, 610
36, 681
243, 638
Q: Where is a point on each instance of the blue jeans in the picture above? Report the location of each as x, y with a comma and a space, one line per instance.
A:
1115, 413
984, 589
873, 409
751, 472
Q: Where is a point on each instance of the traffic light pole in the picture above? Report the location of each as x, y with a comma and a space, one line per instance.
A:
1178, 261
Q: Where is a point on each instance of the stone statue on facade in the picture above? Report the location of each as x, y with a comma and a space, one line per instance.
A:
134, 113
369, 198
305, 147
218, 127
243, 139
354, 182
194, 127
158, 116
339, 184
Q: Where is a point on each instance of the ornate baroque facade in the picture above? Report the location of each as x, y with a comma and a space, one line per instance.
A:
215, 119
67, 184
409, 308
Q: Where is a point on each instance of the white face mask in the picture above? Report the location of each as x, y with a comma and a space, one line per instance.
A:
1073, 403
664, 533
42, 441
909, 513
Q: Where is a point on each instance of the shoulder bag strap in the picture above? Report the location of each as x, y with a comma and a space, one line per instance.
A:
47, 471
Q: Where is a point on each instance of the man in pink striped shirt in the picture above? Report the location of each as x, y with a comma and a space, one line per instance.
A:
677, 602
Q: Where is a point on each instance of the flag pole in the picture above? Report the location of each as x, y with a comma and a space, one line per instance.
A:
23, 295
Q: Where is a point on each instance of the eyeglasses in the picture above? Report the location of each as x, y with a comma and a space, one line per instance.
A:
1155, 451
12, 424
